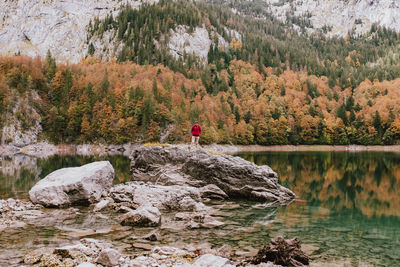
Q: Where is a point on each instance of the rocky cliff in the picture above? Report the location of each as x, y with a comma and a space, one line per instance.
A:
22, 123
341, 16
32, 27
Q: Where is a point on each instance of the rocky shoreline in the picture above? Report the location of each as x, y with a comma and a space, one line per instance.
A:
171, 189
44, 149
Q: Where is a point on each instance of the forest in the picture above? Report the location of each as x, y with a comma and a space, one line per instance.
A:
113, 102
272, 86
265, 42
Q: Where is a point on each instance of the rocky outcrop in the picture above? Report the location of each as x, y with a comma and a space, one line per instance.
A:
282, 252
342, 16
32, 27
21, 124
82, 185
197, 43
236, 177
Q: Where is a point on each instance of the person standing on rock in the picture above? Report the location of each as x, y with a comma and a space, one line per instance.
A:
196, 131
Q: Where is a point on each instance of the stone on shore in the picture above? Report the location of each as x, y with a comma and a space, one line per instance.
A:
78, 185
209, 260
109, 257
236, 177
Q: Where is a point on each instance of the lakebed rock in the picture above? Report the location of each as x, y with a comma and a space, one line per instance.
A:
92, 252
13, 213
83, 185
236, 177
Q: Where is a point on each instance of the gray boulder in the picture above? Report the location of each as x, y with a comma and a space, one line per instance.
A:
236, 177
78, 185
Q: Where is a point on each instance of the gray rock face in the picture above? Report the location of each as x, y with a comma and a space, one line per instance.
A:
197, 43
63, 187
144, 216
342, 15
32, 26
236, 177
15, 131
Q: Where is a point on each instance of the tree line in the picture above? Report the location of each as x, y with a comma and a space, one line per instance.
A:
113, 102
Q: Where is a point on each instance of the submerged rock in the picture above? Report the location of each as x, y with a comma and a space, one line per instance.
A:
173, 197
144, 216
13, 213
78, 185
236, 177
282, 252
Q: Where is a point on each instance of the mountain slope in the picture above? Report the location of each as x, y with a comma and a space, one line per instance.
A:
31, 27
341, 16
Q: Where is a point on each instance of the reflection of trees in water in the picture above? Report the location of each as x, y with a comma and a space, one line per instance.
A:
368, 181
17, 175
20, 172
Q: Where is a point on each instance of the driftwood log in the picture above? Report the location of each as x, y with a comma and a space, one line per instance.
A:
282, 252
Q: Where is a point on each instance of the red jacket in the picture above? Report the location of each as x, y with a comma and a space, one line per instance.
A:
196, 130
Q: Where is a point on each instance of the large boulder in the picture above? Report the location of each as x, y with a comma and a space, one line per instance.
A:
236, 177
78, 185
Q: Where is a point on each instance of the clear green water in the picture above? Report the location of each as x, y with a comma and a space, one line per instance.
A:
347, 213
348, 204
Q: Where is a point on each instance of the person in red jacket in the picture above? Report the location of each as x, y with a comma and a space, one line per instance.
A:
196, 131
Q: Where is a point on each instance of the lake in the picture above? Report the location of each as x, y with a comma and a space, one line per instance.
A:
348, 203
347, 212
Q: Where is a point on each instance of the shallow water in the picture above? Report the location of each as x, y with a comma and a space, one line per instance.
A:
347, 213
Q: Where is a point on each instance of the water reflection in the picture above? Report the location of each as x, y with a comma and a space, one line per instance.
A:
19, 173
367, 182
348, 210
348, 206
